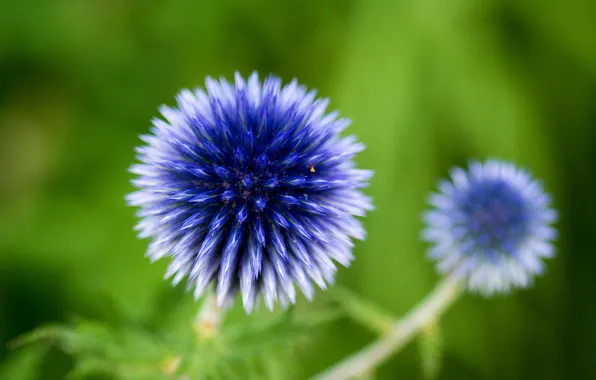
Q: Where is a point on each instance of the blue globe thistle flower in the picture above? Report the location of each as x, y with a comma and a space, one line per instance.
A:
249, 187
490, 227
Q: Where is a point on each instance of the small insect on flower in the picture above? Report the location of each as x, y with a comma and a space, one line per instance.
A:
249, 187
491, 227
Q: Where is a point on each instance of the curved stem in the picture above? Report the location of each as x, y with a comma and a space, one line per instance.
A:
427, 311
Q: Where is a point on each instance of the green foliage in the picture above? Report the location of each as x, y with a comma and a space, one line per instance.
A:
125, 353
254, 349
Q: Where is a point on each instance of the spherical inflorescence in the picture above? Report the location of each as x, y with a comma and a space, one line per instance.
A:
491, 227
249, 187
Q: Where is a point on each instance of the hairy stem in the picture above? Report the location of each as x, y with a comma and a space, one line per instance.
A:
209, 318
427, 311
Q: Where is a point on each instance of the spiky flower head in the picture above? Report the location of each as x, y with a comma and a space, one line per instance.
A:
491, 227
249, 187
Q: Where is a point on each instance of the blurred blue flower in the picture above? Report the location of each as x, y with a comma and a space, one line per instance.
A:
250, 187
490, 226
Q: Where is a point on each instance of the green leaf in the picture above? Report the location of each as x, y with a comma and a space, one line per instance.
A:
129, 352
256, 348
430, 345
70, 339
363, 311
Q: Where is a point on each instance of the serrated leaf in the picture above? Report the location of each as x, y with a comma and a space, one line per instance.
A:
256, 348
363, 311
69, 339
430, 345
282, 331
128, 352
260, 348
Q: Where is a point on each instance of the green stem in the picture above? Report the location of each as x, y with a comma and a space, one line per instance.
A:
427, 311
209, 318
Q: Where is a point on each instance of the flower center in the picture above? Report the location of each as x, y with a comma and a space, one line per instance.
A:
244, 187
496, 217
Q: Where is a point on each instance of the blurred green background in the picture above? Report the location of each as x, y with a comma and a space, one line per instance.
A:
428, 84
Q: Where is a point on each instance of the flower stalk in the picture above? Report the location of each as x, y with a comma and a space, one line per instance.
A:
428, 311
209, 318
